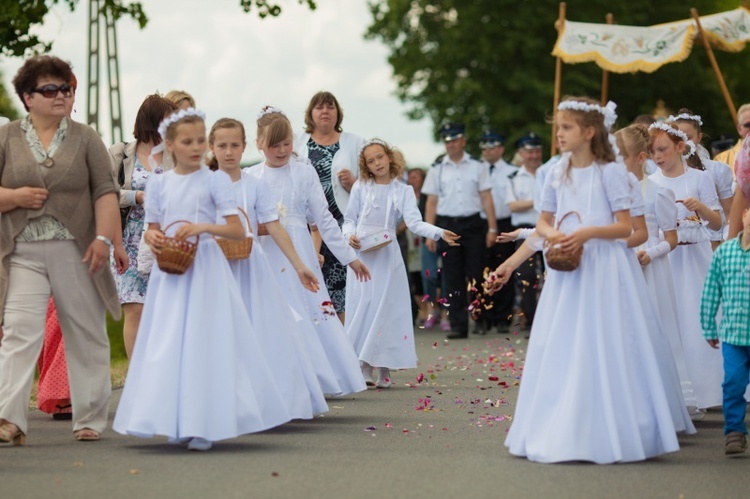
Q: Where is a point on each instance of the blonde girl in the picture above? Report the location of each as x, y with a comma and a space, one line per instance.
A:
298, 199
379, 318
198, 373
590, 349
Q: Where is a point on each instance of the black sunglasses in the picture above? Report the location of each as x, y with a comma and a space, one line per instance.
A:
745, 125
50, 91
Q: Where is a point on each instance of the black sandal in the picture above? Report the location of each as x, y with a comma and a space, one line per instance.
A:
63, 413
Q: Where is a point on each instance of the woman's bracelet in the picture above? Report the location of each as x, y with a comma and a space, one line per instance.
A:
105, 240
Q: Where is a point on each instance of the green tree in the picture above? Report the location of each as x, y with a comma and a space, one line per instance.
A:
18, 17
488, 62
6, 103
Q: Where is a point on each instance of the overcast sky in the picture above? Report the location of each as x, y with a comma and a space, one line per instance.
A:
234, 63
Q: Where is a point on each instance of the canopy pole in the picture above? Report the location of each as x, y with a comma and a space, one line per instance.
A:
715, 65
605, 73
560, 24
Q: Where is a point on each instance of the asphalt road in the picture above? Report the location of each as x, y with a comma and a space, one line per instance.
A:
439, 438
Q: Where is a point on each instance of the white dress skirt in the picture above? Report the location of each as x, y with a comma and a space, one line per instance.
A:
592, 389
690, 261
378, 312
661, 215
281, 330
197, 369
299, 198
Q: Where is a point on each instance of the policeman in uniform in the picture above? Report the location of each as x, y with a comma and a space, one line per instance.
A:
501, 311
458, 189
520, 201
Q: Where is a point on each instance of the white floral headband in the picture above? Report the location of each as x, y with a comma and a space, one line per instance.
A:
660, 125
372, 142
177, 116
608, 111
269, 110
686, 116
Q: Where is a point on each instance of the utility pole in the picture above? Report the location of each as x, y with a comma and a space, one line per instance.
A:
96, 15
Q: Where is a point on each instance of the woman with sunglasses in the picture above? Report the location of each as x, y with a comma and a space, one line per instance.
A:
58, 201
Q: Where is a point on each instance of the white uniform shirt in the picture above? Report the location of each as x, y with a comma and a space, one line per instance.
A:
541, 173
499, 178
458, 186
521, 188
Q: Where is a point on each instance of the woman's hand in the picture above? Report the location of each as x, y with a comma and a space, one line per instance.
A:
321, 259
121, 258
31, 198
155, 240
451, 237
346, 179
308, 279
508, 237
643, 258
360, 271
96, 255
430, 245
139, 197
354, 242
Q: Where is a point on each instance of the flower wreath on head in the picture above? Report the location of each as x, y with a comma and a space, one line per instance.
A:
269, 110
660, 125
372, 142
177, 116
164, 126
608, 111
687, 117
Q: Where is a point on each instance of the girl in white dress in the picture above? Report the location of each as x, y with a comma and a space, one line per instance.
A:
379, 318
697, 210
592, 388
299, 198
198, 373
280, 334
721, 173
661, 222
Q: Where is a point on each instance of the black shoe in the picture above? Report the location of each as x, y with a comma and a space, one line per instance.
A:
481, 329
458, 336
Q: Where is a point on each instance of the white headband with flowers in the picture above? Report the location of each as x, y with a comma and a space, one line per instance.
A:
269, 110
177, 116
608, 111
372, 142
660, 125
686, 116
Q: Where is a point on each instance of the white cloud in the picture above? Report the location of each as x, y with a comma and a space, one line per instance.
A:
234, 63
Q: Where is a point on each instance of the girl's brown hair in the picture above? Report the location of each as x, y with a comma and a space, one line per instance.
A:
273, 128
693, 160
396, 159
223, 124
323, 97
601, 149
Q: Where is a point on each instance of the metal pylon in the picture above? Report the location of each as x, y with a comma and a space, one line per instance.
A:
113, 71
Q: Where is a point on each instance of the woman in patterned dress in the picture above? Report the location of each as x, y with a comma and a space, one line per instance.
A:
133, 158
333, 154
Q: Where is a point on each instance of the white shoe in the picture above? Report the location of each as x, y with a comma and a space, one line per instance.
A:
177, 441
696, 414
367, 374
384, 378
198, 443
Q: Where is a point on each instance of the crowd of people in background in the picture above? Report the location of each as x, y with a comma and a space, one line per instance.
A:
320, 302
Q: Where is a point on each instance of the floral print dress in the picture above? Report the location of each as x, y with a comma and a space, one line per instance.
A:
131, 286
334, 272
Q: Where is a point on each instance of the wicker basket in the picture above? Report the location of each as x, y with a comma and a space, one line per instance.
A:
558, 258
177, 254
237, 250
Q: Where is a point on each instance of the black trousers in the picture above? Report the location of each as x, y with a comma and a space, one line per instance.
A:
501, 312
462, 265
529, 276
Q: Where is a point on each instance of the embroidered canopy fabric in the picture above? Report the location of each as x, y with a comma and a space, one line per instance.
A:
627, 49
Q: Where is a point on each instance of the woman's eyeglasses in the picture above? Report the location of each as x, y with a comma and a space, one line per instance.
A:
50, 91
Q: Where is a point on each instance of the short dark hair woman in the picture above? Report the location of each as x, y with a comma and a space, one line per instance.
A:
58, 201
